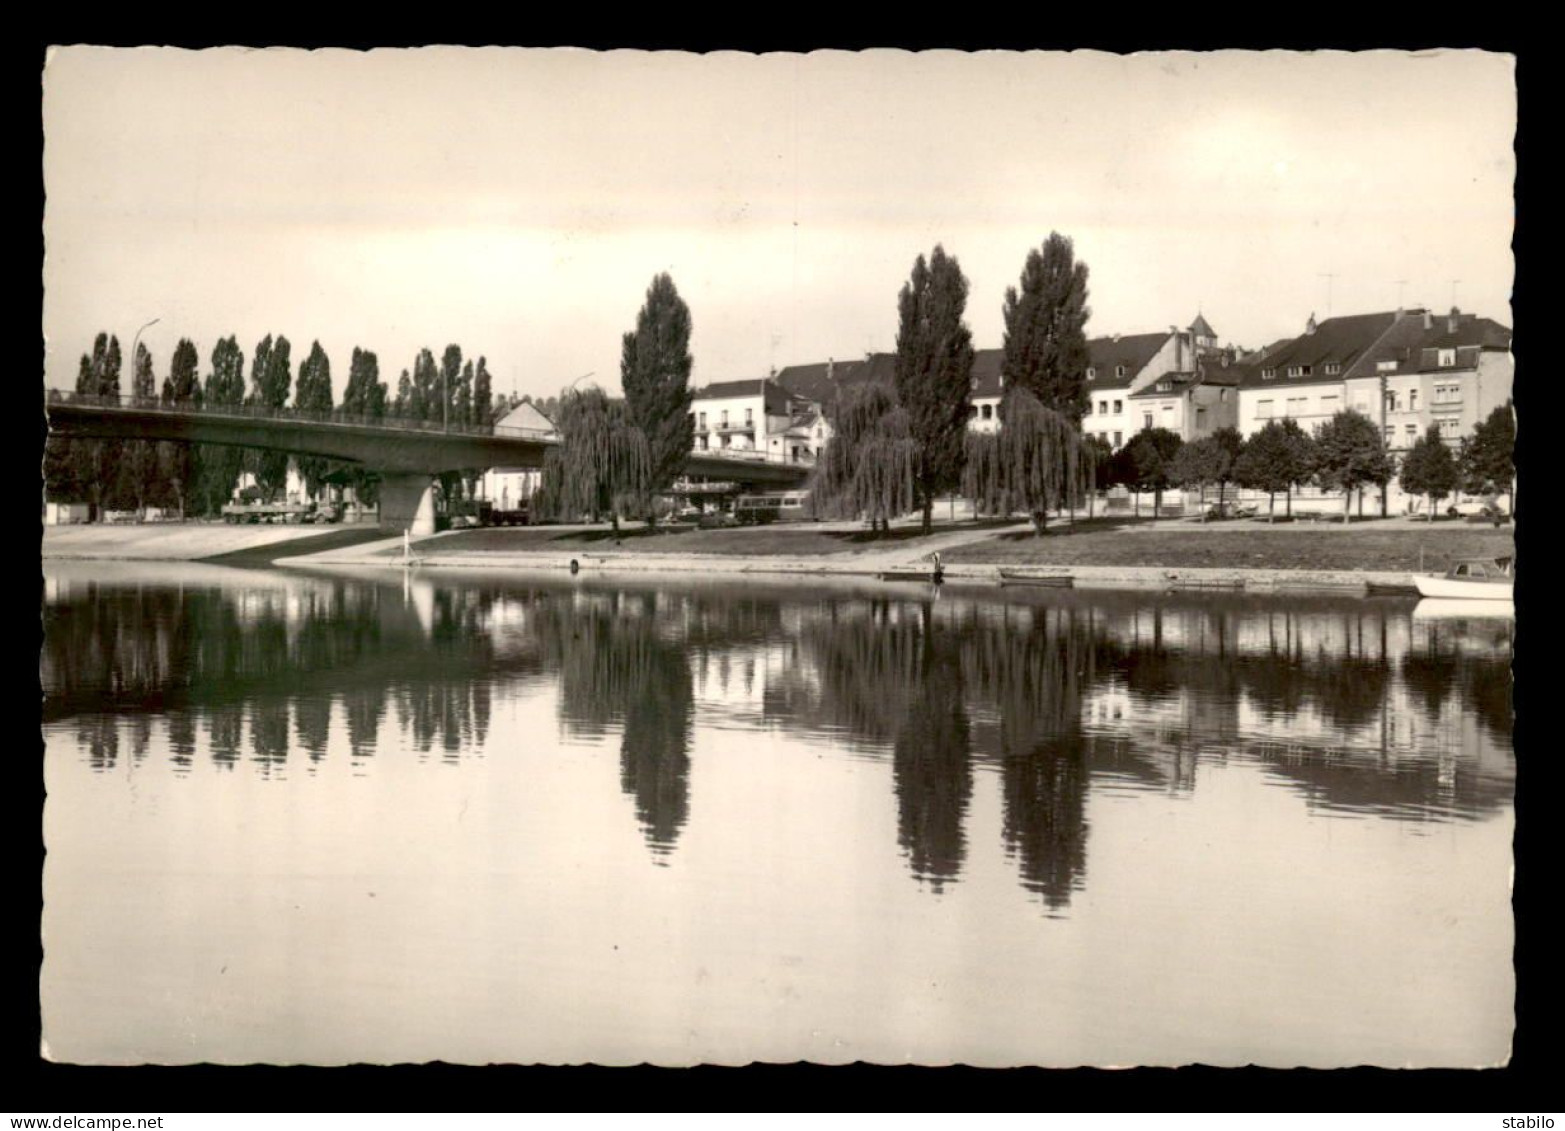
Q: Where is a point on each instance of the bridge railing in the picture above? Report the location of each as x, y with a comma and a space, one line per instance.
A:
288, 414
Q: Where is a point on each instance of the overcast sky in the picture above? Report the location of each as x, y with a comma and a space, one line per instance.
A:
518, 202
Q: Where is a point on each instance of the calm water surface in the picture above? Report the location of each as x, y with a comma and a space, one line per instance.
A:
315, 818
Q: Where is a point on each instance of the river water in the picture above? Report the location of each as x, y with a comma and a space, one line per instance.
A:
326, 818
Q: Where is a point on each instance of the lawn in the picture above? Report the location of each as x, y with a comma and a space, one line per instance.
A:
1254, 545
790, 539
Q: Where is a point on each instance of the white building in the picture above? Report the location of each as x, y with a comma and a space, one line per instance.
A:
509, 488
757, 416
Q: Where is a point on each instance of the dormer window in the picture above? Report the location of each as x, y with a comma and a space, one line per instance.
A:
1091, 373
1298, 371
1385, 367
1268, 374
1119, 371
1333, 368
1447, 358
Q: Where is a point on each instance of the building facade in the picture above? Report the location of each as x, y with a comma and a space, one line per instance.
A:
511, 488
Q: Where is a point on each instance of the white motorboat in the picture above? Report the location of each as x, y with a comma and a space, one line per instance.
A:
1471, 579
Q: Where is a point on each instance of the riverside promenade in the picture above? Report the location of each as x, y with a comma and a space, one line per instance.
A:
1092, 553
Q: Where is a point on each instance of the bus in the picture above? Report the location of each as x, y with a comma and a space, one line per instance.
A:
785, 506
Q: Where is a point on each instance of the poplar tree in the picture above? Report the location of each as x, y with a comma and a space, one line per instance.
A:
138, 467
655, 365
220, 466
181, 387
270, 378
313, 395
365, 397
483, 394
934, 368
1045, 329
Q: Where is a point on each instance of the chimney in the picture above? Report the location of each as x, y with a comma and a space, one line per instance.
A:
1178, 352
831, 367
1453, 321
1309, 327
1429, 320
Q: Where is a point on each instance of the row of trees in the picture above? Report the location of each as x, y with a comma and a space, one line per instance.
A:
898, 448
1346, 453
200, 478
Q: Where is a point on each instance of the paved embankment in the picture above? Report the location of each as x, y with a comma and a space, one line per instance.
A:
195, 541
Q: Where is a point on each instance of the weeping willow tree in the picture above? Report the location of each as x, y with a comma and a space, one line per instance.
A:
1033, 463
602, 465
869, 467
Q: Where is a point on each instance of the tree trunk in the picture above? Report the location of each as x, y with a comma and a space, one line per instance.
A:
929, 512
1385, 498
1289, 512
1040, 521
1271, 506
1347, 505
1157, 503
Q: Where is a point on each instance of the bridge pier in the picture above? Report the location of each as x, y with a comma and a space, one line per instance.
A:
407, 502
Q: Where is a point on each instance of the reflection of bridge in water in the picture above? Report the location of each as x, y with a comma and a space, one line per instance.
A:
405, 453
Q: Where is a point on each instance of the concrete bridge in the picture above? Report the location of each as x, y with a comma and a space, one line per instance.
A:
406, 454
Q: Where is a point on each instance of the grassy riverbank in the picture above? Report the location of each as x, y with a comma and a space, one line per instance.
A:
1389, 545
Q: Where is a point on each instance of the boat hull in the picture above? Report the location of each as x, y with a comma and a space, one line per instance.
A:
1461, 589
1455, 608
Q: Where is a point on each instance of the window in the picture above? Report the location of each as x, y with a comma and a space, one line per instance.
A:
1450, 427
1447, 394
1412, 400
724, 422
1298, 371
1411, 432
1091, 373
1119, 438
1222, 395
1297, 406
1330, 404
702, 425
1391, 434
1119, 406
1103, 407
1168, 408
1385, 366
972, 411
1391, 402
1119, 371
1447, 358
1146, 420
1165, 386
1333, 368
1268, 374
1263, 410
1089, 409
749, 416
988, 414
1200, 416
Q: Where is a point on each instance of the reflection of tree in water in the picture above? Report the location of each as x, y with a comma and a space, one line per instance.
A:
931, 763
182, 738
654, 757
99, 735
225, 723
1035, 677
1350, 691
269, 732
364, 708
1045, 816
140, 734
1432, 674
1486, 684
623, 661
312, 723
